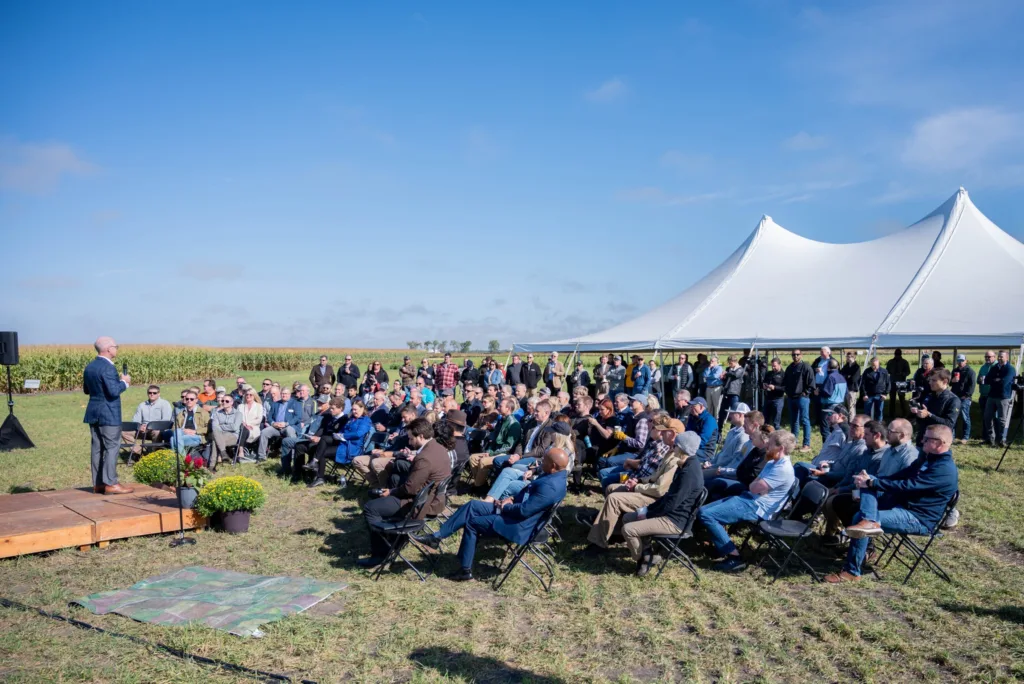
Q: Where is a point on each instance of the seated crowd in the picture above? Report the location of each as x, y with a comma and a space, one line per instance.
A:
520, 432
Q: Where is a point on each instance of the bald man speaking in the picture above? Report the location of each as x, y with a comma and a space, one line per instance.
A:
103, 415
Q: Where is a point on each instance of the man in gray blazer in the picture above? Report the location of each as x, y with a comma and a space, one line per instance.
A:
103, 415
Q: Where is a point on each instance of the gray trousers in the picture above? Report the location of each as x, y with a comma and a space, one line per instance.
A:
106, 439
268, 433
997, 419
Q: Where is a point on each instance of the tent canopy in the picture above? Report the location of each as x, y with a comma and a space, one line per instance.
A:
953, 279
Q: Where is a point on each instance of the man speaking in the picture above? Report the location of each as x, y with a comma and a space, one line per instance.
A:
103, 414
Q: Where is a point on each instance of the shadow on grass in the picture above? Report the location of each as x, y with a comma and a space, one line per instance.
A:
1014, 614
20, 489
474, 668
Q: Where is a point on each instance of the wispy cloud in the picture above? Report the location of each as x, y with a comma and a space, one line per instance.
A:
609, 91
658, 196
37, 168
804, 142
794, 192
962, 139
894, 192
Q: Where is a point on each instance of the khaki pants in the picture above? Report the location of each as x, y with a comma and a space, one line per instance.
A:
480, 468
221, 442
615, 506
851, 402
129, 438
374, 469
635, 530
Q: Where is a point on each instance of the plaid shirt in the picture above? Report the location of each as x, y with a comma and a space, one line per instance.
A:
446, 376
651, 459
641, 429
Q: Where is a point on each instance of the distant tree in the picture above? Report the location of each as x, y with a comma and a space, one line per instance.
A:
453, 345
442, 345
413, 344
464, 347
493, 346
427, 345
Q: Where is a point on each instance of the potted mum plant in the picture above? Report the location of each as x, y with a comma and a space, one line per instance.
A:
231, 500
156, 469
193, 477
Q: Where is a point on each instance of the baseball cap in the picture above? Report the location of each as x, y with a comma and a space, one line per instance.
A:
841, 410
699, 401
642, 398
741, 408
618, 357
675, 425
220, 388
405, 358
961, 357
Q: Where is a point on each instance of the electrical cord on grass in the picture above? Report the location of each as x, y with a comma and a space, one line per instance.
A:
177, 652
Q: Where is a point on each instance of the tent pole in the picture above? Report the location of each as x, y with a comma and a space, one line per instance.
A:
661, 367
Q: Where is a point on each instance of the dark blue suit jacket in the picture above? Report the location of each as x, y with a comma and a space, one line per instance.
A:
520, 517
103, 385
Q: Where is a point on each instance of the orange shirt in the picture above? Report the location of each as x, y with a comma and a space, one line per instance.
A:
203, 398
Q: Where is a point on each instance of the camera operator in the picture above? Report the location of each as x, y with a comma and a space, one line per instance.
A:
898, 370
774, 387
733, 387
938, 407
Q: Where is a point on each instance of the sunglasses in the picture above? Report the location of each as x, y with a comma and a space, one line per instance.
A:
226, 401
266, 384
152, 393
189, 399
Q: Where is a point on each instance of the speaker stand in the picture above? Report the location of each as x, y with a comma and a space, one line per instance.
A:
12, 435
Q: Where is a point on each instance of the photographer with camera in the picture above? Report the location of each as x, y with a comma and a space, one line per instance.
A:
898, 370
939, 406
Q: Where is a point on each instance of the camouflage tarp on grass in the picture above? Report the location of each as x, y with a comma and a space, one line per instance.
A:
232, 601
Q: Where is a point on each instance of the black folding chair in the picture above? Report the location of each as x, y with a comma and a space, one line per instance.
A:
901, 547
669, 543
127, 426
239, 447
160, 426
794, 528
538, 545
399, 533
753, 527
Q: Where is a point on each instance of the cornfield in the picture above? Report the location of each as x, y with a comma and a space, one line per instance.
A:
59, 368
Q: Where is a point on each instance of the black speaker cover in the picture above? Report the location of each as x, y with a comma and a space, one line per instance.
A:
13, 436
8, 349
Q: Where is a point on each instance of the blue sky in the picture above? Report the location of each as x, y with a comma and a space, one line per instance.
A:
307, 174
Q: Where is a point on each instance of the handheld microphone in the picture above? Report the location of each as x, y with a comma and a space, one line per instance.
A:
124, 368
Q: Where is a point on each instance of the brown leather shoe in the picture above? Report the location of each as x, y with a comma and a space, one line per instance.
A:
118, 489
865, 528
98, 489
841, 577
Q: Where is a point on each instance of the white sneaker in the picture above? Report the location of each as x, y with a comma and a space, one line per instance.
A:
952, 520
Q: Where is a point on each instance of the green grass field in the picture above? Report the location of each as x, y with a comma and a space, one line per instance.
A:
598, 624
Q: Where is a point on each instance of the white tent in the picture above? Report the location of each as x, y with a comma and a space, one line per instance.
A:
953, 279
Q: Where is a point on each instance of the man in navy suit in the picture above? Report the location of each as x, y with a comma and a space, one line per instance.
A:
512, 518
103, 414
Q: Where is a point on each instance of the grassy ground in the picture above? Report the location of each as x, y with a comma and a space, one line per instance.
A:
598, 624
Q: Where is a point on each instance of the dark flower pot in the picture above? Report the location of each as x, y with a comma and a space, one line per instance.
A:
187, 496
235, 522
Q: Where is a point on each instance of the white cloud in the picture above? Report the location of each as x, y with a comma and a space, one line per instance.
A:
37, 168
961, 139
804, 141
610, 90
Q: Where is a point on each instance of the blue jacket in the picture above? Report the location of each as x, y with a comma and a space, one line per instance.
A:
520, 517
642, 379
706, 426
999, 381
103, 385
292, 412
833, 390
354, 433
923, 488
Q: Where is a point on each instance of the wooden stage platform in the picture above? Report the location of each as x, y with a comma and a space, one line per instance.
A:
44, 521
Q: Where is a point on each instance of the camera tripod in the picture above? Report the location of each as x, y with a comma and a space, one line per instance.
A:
1016, 428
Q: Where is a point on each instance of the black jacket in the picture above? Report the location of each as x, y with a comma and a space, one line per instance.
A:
852, 374
470, 374
875, 382
514, 373
349, 377
750, 467
531, 375
582, 379
678, 503
898, 369
943, 409
733, 381
963, 382
799, 380
777, 380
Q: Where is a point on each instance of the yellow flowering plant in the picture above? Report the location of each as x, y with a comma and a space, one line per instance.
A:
227, 494
156, 468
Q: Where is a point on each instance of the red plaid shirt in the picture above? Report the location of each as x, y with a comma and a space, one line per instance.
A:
446, 376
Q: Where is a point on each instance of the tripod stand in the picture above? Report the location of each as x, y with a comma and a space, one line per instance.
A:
1016, 428
181, 540
12, 435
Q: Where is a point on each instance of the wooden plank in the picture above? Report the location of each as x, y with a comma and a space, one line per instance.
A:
43, 530
167, 509
63, 495
29, 501
114, 521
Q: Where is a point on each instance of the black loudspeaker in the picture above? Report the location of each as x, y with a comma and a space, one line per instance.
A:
8, 349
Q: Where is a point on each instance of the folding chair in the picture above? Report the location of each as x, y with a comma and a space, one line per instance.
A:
897, 542
239, 447
538, 545
160, 426
792, 527
126, 446
784, 509
398, 533
669, 543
